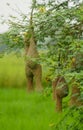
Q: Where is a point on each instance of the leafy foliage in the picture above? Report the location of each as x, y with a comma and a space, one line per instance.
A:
72, 119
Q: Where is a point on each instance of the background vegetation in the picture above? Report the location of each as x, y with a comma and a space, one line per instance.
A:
12, 72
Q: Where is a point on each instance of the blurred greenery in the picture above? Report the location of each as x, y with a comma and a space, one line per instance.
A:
12, 72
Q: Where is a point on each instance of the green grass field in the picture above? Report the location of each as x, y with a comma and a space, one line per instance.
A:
12, 72
35, 111
22, 111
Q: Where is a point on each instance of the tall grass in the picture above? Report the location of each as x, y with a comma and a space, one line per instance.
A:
22, 111
35, 111
12, 71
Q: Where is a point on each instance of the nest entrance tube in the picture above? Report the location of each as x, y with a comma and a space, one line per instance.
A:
33, 69
60, 90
